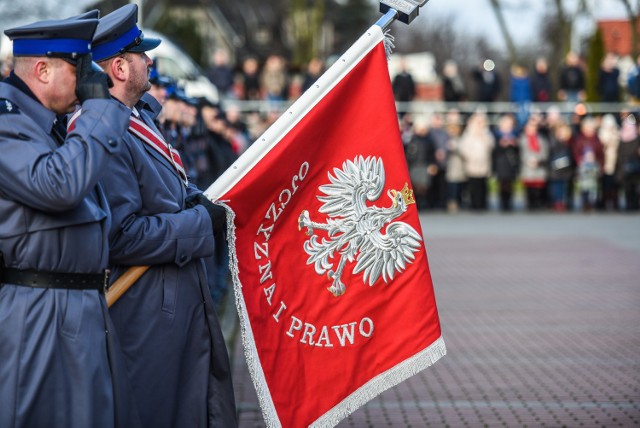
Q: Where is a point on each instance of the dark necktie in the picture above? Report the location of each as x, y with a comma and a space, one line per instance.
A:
59, 129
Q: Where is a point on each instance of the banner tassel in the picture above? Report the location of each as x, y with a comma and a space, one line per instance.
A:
388, 43
248, 343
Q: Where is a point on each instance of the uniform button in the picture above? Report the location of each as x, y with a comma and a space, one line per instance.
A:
112, 143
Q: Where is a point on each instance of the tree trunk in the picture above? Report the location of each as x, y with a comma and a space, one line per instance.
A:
633, 21
497, 10
565, 27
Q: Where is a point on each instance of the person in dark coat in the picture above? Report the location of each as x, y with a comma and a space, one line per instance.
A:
627, 170
488, 84
250, 77
417, 155
608, 76
315, 68
506, 160
437, 154
454, 90
561, 166
541, 88
572, 80
222, 74
175, 352
404, 87
61, 365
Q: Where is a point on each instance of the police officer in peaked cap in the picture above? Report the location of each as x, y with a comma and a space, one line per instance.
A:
175, 352
118, 33
61, 365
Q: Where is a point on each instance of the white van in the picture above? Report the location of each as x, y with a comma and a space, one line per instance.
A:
6, 47
177, 64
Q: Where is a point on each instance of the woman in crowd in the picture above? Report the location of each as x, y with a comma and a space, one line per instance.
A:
534, 154
456, 178
609, 135
586, 143
476, 147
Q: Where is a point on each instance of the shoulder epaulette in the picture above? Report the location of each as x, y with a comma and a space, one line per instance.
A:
7, 107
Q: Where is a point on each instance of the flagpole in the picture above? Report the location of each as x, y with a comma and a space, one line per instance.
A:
385, 20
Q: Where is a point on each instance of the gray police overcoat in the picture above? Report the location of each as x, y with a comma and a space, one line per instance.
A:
175, 352
59, 360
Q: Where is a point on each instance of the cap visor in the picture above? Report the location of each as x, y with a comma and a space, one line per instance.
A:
165, 82
145, 45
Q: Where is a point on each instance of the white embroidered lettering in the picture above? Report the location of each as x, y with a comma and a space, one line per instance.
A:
277, 315
265, 270
296, 324
269, 292
261, 249
347, 332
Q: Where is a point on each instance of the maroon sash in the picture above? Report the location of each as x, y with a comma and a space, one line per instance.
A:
151, 138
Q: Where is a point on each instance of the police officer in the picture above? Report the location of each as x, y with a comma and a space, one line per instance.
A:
175, 353
58, 357
159, 85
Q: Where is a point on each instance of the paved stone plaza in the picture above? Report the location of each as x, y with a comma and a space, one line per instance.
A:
541, 317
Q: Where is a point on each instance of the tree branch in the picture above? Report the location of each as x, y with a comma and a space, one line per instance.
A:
497, 10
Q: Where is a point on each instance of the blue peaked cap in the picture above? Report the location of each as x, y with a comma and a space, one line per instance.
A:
65, 38
159, 79
118, 33
176, 92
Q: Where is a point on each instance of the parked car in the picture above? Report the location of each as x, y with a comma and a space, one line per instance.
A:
174, 62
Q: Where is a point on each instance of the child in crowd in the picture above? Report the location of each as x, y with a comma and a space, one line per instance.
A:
588, 173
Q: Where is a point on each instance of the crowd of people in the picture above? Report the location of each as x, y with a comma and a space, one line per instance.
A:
580, 163
460, 160
457, 160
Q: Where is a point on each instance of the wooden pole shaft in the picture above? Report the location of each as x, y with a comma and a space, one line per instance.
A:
123, 283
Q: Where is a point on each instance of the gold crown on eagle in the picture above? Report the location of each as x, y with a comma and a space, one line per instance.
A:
406, 193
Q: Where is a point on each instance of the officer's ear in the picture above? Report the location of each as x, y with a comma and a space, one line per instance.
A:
118, 68
41, 70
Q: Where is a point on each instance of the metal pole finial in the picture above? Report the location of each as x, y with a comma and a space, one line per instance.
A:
402, 10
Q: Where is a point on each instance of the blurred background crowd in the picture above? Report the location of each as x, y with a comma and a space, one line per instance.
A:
541, 150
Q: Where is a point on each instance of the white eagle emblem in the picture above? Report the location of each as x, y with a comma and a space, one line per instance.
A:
357, 231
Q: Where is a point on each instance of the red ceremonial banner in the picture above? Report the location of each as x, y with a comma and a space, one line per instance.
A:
332, 281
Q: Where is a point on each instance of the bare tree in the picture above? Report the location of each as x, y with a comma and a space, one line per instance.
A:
633, 21
13, 13
508, 39
305, 27
442, 38
438, 37
563, 27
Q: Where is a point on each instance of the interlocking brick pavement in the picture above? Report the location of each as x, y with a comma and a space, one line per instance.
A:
541, 317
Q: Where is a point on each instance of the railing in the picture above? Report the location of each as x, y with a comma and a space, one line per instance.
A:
430, 107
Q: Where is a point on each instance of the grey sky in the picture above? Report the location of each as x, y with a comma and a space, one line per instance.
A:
475, 16
522, 16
